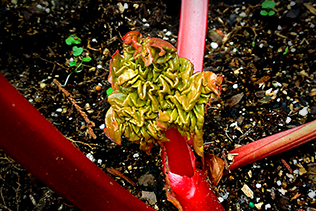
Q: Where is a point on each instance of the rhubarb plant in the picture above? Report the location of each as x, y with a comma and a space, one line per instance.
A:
156, 98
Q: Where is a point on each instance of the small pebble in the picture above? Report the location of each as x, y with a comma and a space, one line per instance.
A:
214, 45
303, 112
90, 157
168, 33
59, 110
282, 191
99, 161
279, 183
220, 199
311, 194
288, 120
136, 155
258, 185
102, 126
267, 206
235, 86
146, 25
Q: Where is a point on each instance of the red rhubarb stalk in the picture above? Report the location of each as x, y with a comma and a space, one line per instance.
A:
180, 161
191, 192
192, 31
273, 145
157, 98
27, 137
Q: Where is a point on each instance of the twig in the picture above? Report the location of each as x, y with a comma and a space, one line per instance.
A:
80, 142
115, 172
90, 124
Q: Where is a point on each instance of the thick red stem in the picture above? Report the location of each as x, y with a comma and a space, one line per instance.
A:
179, 159
273, 145
41, 149
192, 31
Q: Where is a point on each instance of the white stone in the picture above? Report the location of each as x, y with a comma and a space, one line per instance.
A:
220, 199
136, 155
235, 86
59, 110
125, 6
311, 194
90, 157
288, 120
168, 33
282, 191
102, 126
258, 185
303, 112
279, 183
267, 206
214, 45
99, 161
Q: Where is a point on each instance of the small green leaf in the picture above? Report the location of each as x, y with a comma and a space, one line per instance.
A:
77, 51
286, 50
263, 13
253, 44
271, 12
109, 91
86, 59
268, 4
73, 39
72, 63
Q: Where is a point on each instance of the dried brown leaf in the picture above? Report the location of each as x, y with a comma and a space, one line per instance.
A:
215, 165
234, 99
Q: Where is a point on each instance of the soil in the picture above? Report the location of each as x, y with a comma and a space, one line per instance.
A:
267, 62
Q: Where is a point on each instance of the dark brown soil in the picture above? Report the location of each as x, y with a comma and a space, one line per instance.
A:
268, 65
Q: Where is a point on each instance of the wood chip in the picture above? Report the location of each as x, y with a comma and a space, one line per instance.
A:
247, 191
310, 8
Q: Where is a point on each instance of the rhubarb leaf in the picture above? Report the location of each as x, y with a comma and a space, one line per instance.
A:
154, 90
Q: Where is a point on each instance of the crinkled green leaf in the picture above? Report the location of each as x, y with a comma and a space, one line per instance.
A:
154, 90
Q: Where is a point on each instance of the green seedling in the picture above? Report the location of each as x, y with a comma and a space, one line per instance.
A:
109, 91
267, 7
286, 50
78, 59
253, 44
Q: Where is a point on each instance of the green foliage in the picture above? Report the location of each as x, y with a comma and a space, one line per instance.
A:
109, 91
154, 89
73, 40
268, 4
86, 59
267, 7
77, 53
286, 50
